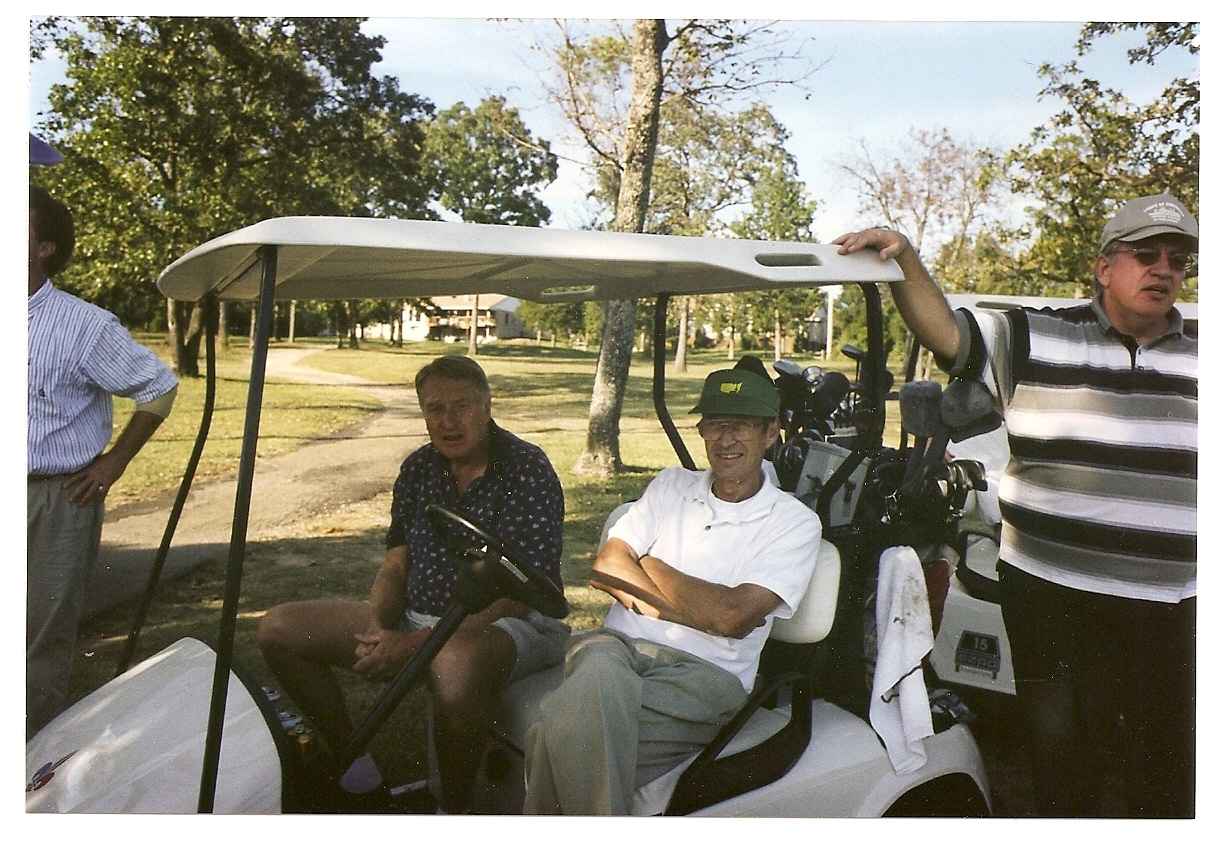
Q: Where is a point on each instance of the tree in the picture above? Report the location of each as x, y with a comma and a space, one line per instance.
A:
700, 62
601, 454
180, 129
487, 166
1100, 150
554, 319
488, 170
932, 188
940, 192
780, 210
713, 165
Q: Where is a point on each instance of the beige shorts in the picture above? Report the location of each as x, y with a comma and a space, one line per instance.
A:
538, 639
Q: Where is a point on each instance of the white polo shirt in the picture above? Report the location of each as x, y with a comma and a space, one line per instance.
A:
770, 540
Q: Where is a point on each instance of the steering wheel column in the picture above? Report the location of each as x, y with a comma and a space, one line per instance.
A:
493, 569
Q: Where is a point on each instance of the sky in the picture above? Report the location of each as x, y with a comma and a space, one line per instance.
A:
874, 81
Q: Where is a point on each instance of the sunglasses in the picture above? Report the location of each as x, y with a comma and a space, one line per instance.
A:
1148, 256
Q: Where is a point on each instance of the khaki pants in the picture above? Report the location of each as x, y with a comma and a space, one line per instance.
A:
62, 542
628, 711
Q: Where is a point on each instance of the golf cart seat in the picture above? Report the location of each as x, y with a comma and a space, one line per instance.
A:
761, 743
757, 747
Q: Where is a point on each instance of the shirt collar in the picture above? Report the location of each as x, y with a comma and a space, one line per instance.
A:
1174, 318
757, 506
42, 294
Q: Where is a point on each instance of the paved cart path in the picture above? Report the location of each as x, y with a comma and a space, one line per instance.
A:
354, 465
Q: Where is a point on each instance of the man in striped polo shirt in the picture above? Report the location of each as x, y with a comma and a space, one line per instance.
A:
1098, 505
79, 357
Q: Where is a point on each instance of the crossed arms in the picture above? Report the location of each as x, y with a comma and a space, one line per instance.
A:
651, 587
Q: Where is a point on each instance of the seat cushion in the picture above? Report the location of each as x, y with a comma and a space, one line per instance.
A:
813, 618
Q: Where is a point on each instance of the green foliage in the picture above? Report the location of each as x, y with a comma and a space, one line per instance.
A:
487, 167
1101, 150
177, 129
554, 321
779, 209
850, 322
978, 265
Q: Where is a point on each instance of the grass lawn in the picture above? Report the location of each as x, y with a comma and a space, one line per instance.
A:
291, 415
540, 393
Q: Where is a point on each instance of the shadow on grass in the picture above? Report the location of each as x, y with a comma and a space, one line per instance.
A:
340, 565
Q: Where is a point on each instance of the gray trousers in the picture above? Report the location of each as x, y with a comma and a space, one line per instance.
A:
628, 711
62, 541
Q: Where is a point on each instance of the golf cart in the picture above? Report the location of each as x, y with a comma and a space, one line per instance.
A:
151, 739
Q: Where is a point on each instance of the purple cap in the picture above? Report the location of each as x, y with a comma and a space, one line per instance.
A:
41, 153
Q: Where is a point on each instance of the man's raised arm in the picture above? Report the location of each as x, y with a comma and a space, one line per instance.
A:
918, 298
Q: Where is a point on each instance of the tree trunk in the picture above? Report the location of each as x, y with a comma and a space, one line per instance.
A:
355, 320
829, 298
222, 336
472, 330
679, 360
185, 329
778, 333
648, 42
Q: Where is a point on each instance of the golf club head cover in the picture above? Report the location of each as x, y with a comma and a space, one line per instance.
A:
831, 392
789, 462
968, 409
921, 408
751, 363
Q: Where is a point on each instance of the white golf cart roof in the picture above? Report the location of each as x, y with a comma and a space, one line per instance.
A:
327, 258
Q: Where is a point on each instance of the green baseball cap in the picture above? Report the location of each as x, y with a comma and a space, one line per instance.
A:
738, 392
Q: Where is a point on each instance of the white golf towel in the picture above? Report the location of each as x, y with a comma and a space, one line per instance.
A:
900, 705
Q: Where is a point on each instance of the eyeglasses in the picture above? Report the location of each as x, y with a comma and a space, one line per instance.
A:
713, 429
1148, 256
458, 409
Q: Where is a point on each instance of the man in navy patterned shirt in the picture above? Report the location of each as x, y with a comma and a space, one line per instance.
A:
502, 483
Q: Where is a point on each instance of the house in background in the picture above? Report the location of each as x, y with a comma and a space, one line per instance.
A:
450, 318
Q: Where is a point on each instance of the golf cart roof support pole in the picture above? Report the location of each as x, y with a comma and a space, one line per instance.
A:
403, 682
873, 378
210, 317
658, 382
239, 530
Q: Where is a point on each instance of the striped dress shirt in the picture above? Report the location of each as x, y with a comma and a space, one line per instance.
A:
80, 356
1100, 491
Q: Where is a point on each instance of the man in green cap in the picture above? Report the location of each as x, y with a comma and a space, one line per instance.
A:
698, 568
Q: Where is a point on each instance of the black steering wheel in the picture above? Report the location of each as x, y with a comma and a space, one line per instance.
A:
499, 563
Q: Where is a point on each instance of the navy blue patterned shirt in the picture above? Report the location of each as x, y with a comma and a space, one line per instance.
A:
518, 498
